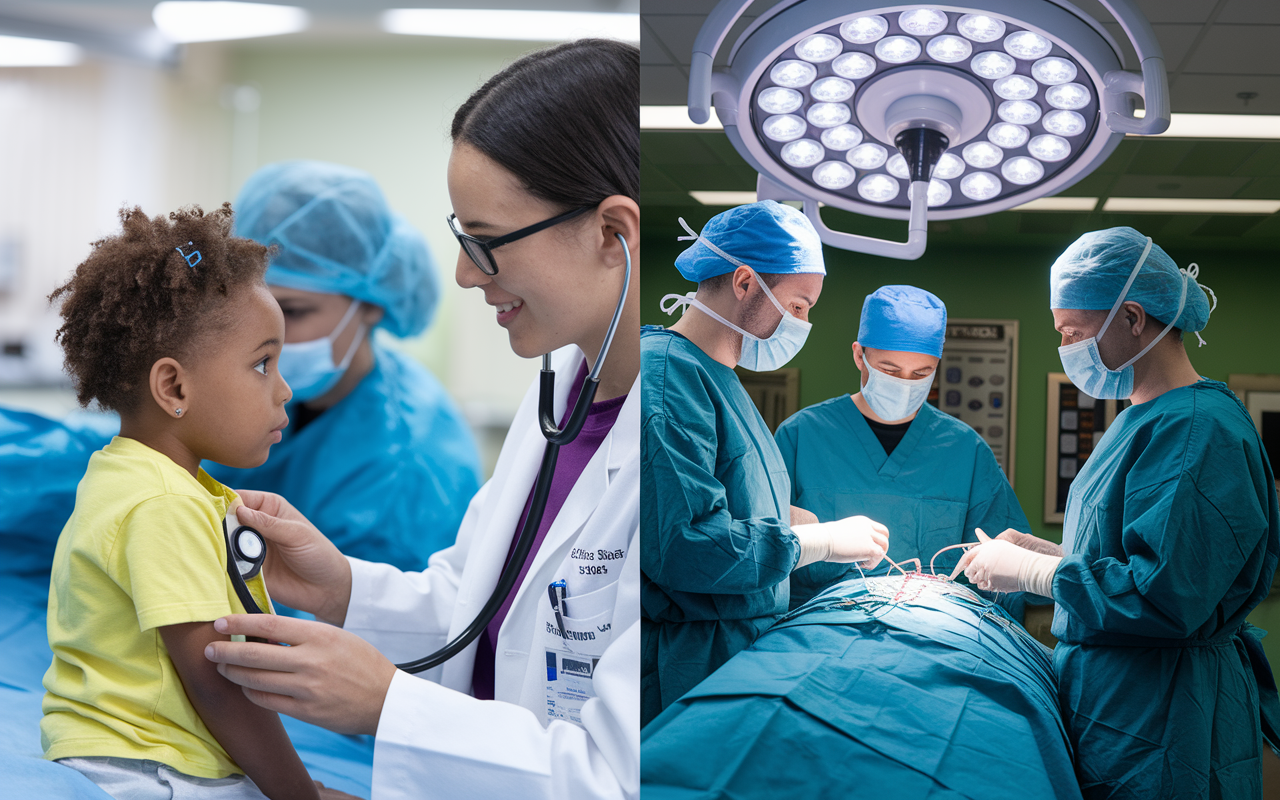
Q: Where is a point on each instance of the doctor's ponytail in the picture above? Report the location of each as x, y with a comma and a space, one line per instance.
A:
564, 120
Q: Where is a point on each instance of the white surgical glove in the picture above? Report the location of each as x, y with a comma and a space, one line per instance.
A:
1032, 543
844, 540
998, 565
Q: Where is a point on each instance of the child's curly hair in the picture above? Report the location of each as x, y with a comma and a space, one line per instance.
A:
135, 299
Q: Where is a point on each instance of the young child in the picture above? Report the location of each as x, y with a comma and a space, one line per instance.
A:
170, 324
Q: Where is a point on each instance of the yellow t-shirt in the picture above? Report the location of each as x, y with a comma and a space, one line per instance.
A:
144, 548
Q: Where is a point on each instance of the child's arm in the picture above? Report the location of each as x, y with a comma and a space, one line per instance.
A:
253, 736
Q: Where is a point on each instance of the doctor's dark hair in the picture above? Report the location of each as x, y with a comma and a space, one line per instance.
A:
143, 294
564, 120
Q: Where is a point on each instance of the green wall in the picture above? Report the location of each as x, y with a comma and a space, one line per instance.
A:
1001, 282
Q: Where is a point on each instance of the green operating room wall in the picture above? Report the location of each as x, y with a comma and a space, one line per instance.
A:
1004, 282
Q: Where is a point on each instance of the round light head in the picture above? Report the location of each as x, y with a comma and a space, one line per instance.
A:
1071, 96
777, 100
1064, 123
833, 175
897, 49
784, 127
949, 49
793, 74
1008, 135
1019, 112
864, 30
1053, 70
853, 66
949, 166
842, 137
1022, 170
980, 27
980, 186
992, 64
878, 188
819, 48
922, 21
868, 155
831, 90
1016, 87
982, 155
1027, 45
828, 115
803, 153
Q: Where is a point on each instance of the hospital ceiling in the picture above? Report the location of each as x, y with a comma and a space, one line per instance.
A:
1222, 59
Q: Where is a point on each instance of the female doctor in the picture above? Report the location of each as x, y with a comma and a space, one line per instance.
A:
555, 133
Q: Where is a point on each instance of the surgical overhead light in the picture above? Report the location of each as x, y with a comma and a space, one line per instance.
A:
924, 111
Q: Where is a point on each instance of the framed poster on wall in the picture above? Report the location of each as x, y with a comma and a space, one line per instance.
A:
1261, 396
977, 382
776, 394
1074, 425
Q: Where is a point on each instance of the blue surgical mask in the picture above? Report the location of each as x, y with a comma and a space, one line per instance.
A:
308, 367
893, 398
758, 355
1083, 363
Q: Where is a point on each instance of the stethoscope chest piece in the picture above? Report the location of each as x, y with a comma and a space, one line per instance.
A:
246, 553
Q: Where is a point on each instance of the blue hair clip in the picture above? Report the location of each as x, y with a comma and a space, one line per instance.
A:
194, 254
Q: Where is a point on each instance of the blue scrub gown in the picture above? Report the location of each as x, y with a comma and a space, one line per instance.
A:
386, 474
1172, 535
716, 545
940, 483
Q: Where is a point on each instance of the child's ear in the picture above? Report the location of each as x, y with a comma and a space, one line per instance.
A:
168, 386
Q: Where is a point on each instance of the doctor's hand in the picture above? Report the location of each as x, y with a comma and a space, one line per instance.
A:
328, 677
1032, 543
303, 569
998, 565
843, 541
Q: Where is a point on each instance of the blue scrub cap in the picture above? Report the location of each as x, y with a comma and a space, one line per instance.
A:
1092, 272
903, 318
338, 236
766, 236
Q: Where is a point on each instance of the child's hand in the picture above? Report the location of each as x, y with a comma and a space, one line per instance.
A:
333, 794
303, 569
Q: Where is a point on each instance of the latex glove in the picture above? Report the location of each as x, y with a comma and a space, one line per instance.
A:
843, 541
1033, 543
303, 570
328, 677
998, 565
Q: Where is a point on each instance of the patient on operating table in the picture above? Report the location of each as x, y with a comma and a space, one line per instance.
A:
169, 323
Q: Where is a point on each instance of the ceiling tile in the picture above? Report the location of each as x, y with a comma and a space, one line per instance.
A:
663, 86
1216, 94
1237, 50
1251, 12
1261, 189
1227, 225
1176, 186
1216, 158
1158, 158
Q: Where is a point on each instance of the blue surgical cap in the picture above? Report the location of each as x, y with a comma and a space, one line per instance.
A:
337, 235
1090, 274
766, 236
905, 319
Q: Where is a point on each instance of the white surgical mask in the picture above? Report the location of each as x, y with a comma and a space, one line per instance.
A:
308, 367
1083, 362
893, 398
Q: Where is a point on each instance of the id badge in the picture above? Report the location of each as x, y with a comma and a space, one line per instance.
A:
569, 684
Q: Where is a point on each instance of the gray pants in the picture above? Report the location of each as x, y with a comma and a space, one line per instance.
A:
135, 779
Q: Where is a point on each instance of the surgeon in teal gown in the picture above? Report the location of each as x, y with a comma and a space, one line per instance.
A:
717, 543
1171, 538
928, 477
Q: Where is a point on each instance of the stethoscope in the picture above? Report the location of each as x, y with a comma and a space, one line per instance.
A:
246, 549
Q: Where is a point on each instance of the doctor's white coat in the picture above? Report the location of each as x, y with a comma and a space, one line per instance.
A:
434, 739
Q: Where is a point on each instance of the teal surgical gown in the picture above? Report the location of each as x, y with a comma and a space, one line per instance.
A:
940, 483
1171, 537
716, 540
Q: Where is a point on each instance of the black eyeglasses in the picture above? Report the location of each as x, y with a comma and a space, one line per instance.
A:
481, 252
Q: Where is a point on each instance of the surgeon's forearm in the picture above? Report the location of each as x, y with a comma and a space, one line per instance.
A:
800, 516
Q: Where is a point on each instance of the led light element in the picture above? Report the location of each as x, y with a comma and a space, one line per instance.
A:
982, 155
980, 186
1053, 71
949, 166
803, 153
833, 175
1027, 45
1008, 135
793, 74
1064, 123
831, 90
864, 30
897, 166
923, 21
819, 48
1021, 112
1016, 87
897, 49
992, 64
867, 156
1048, 147
980, 27
784, 127
854, 65
200, 21
20, 52
777, 100
939, 193
1071, 96
949, 49
828, 115
878, 188
841, 137
1022, 170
